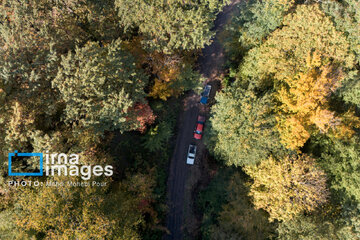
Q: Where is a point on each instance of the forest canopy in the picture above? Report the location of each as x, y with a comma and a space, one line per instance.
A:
108, 80
288, 119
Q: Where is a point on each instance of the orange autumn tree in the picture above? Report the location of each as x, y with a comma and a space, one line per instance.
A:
304, 106
166, 68
305, 61
303, 103
142, 115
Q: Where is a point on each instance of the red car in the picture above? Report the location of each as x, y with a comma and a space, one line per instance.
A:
199, 127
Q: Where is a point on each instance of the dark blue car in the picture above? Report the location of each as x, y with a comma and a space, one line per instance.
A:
205, 94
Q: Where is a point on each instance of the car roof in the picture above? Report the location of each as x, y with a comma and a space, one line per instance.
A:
199, 127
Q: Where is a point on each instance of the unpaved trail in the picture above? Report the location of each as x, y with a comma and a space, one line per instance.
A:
179, 196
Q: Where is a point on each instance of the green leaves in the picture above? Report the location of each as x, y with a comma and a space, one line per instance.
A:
241, 130
173, 25
341, 160
157, 137
286, 50
346, 17
99, 85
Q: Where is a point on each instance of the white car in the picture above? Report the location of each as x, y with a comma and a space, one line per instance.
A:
191, 154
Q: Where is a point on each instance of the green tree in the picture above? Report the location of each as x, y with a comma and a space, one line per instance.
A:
170, 25
66, 23
100, 86
285, 52
322, 226
238, 217
255, 21
8, 228
306, 228
346, 17
350, 88
241, 129
340, 160
157, 137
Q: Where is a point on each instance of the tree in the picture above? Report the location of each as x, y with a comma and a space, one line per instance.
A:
100, 86
340, 159
287, 187
174, 76
346, 16
157, 137
322, 226
238, 218
307, 228
8, 228
255, 21
67, 212
173, 25
241, 129
66, 23
304, 106
285, 52
350, 89
303, 63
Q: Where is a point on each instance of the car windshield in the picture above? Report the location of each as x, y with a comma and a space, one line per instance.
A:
198, 132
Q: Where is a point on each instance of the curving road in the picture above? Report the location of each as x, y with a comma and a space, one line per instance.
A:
210, 64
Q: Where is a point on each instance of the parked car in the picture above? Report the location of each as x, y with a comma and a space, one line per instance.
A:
191, 154
205, 94
199, 127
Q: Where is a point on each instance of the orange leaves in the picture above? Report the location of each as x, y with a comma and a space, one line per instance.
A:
304, 103
143, 115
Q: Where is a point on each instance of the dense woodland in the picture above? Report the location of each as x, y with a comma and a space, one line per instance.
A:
285, 127
104, 79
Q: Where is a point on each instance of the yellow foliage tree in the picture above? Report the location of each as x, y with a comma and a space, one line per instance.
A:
167, 68
287, 187
161, 90
19, 127
304, 105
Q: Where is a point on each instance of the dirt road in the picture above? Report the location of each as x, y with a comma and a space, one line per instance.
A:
210, 65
